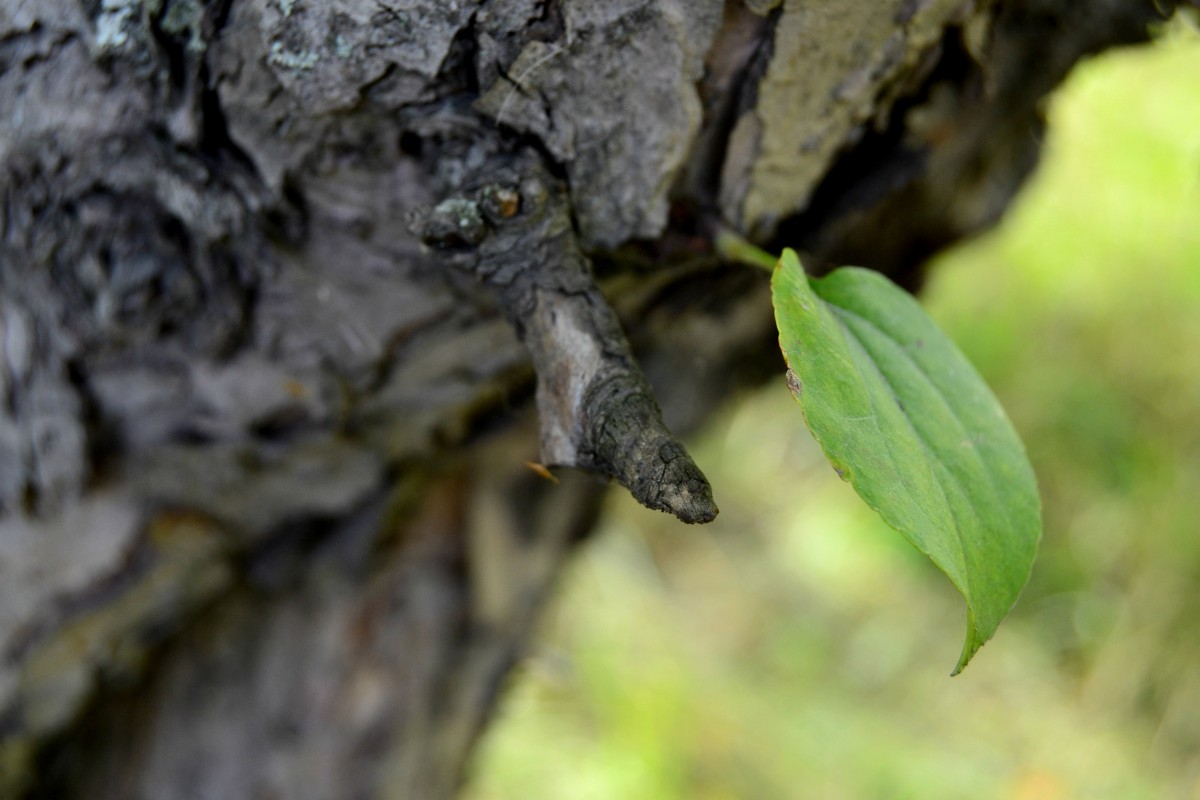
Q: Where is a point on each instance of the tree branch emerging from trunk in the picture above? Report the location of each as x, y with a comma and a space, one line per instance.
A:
513, 231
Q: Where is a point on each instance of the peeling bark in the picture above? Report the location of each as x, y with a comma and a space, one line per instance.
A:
265, 524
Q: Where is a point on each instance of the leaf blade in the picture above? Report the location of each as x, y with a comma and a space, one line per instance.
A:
903, 416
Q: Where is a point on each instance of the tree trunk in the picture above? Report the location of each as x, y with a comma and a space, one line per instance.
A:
282, 281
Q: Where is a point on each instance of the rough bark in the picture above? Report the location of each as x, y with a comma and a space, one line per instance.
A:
282, 281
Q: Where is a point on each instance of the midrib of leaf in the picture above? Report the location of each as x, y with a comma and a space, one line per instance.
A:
964, 432
854, 339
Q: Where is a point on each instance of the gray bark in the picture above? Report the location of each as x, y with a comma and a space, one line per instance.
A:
280, 283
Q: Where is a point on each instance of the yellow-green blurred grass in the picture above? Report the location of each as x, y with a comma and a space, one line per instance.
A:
797, 648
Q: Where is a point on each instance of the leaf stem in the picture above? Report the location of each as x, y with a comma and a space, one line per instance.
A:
734, 248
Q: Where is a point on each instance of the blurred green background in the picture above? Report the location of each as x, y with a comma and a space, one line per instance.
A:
797, 648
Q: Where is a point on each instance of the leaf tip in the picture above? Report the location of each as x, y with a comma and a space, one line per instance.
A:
975, 640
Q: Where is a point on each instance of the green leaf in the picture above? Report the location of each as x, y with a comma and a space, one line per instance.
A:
903, 416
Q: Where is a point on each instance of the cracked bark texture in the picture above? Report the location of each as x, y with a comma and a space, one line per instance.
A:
265, 524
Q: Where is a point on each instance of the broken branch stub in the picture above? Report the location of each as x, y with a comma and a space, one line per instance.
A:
596, 409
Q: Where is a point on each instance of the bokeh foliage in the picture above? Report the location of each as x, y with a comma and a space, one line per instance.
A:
796, 647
